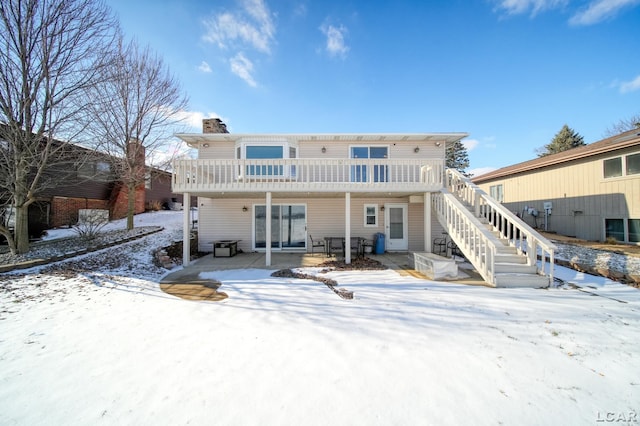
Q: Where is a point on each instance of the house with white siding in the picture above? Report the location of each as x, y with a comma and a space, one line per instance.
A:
590, 192
273, 192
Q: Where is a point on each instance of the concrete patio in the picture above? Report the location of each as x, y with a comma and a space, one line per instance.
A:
401, 262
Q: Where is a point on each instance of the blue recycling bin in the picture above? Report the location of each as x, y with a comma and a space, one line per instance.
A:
379, 243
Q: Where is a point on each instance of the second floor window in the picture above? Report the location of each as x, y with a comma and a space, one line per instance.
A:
613, 167
98, 170
263, 151
258, 150
361, 173
621, 166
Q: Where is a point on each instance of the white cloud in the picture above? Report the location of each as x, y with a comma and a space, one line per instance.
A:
595, 11
250, 26
193, 119
204, 67
470, 144
599, 10
518, 7
480, 171
335, 40
243, 68
300, 10
630, 86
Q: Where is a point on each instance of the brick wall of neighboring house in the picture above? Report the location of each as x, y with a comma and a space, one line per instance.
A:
119, 202
64, 210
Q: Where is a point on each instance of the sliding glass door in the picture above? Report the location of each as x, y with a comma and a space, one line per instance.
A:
288, 226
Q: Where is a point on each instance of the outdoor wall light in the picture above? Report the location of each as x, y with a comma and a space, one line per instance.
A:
438, 143
323, 150
205, 145
382, 208
245, 208
416, 149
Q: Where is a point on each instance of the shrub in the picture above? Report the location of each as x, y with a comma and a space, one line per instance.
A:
90, 222
154, 205
611, 240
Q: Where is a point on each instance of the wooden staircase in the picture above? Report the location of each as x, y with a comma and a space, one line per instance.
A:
502, 248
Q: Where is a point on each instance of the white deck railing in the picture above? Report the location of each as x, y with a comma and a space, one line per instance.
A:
468, 233
318, 175
510, 227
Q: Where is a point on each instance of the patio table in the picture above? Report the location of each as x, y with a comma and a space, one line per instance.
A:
340, 243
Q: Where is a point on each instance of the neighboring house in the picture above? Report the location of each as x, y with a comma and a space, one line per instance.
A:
590, 192
90, 183
272, 192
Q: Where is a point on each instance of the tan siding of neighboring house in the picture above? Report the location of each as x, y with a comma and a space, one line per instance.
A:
582, 198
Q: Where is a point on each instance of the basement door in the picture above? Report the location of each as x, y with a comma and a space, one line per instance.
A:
396, 226
288, 227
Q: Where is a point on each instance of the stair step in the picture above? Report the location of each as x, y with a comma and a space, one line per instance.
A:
514, 268
504, 250
511, 280
512, 258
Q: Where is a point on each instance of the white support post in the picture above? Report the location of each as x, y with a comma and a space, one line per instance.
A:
347, 228
186, 228
427, 223
268, 231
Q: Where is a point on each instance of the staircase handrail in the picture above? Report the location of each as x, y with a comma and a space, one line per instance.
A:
511, 227
468, 233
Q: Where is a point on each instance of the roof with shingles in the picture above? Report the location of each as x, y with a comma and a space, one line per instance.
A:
614, 143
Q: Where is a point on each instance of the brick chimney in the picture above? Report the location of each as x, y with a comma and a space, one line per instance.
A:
136, 153
213, 125
118, 203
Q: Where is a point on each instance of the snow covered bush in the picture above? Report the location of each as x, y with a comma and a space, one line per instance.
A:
90, 222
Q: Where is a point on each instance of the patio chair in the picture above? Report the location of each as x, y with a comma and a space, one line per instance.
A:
316, 244
440, 246
335, 245
453, 249
356, 246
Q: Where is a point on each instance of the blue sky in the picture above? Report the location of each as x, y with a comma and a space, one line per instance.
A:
510, 73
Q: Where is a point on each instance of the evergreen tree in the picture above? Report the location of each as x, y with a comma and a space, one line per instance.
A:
457, 157
565, 139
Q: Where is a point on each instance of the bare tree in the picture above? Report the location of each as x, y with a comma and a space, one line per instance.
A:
623, 125
139, 103
52, 51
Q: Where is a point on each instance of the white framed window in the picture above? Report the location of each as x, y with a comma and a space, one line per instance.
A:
497, 192
623, 230
371, 215
612, 167
362, 173
267, 149
625, 165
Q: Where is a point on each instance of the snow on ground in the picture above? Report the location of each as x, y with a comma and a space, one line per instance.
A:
107, 346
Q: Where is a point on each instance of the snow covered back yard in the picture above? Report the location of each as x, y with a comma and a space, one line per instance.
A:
93, 340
